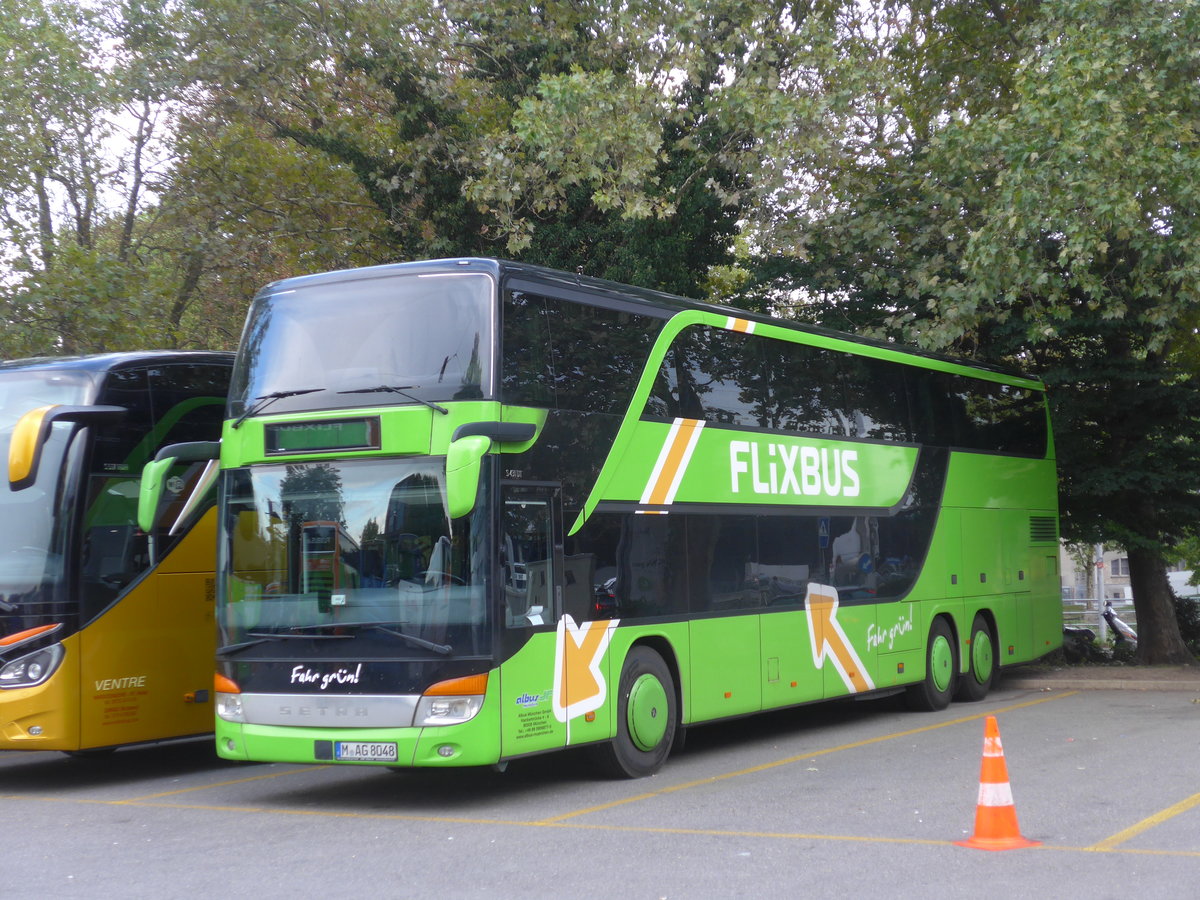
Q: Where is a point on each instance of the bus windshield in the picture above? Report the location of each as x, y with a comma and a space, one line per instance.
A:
338, 344
362, 551
31, 529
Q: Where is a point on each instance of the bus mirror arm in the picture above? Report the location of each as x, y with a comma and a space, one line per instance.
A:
501, 432
463, 458
192, 451
154, 475
32, 430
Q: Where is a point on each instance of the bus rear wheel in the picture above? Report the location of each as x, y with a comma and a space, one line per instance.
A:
976, 684
647, 718
936, 689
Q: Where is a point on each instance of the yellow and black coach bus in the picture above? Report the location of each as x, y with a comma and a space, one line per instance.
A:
106, 632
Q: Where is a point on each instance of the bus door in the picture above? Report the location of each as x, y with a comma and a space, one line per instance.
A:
530, 557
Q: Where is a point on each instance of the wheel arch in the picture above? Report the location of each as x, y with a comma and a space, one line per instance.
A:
951, 622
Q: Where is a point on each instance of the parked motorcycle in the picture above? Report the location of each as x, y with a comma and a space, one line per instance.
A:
1122, 633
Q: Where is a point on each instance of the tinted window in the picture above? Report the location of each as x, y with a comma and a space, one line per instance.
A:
747, 381
121, 445
560, 354
876, 398
379, 339
955, 411
166, 404
644, 565
189, 402
729, 378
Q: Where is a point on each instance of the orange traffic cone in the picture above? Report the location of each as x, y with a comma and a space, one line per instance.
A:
995, 816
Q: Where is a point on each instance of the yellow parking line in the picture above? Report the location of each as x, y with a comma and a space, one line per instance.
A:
217, 784
581, 826
1146, 824
798, 758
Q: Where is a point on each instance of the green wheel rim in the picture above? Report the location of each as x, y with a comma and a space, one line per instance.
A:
647, 712
982, 658
941, 663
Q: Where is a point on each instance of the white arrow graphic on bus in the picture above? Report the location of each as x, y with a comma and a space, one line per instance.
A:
829, 641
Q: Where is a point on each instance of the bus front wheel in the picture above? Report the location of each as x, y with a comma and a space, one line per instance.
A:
647, 718
936, 689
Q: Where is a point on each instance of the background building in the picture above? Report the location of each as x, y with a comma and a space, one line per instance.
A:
1105, 575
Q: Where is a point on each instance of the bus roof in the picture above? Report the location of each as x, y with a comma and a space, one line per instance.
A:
104, 362
600, 289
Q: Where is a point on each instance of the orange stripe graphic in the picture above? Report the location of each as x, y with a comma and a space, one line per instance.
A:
579, 683
829, 641
675, 456
743, 325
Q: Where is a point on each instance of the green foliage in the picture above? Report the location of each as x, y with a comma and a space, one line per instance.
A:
1187, 613
605, 136
1018, 183
130, 222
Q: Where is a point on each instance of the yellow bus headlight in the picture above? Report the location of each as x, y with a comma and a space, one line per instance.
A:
32, 668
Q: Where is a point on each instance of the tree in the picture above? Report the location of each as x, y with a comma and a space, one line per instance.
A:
126, 224
63, 262
1019, 184
596, 135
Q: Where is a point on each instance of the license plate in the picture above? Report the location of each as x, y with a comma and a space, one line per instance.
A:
365, 751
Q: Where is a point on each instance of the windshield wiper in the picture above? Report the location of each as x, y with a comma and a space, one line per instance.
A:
231, 649
295, 634
442, 649
262, 402
403, 392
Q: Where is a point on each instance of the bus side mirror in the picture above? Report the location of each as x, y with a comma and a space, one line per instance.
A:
468, 446
463, 458
32, 430
154, 477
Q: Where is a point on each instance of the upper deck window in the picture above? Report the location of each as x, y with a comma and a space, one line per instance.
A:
568, 355
362, 341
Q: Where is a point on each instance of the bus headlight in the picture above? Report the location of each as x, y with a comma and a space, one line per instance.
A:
451, 702
229, 699
447, 710
229, 707
32, 668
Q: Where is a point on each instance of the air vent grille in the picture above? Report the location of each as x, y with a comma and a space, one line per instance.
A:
1043, 529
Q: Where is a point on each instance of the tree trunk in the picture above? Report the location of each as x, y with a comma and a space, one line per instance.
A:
1159, 640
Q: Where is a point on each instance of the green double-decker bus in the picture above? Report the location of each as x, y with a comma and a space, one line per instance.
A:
473, 510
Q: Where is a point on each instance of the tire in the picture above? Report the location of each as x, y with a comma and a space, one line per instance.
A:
935, 691
647, 718
981, 671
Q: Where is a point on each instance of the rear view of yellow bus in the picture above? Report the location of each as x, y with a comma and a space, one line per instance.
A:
106, 632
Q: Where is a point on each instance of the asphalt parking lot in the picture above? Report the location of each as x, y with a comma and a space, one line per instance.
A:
825, 801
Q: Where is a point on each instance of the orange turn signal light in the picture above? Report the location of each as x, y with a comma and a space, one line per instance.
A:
472, 684
26, 635
223, 685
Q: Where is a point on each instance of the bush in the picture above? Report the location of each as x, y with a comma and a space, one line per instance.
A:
1187, 613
